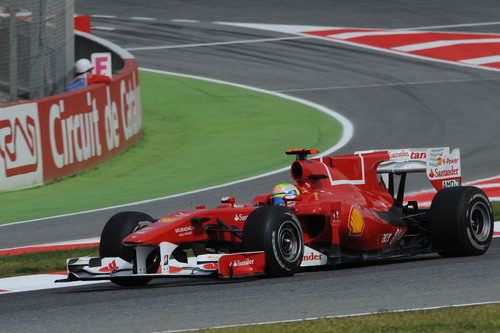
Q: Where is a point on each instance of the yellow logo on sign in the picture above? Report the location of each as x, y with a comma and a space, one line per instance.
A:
356, 222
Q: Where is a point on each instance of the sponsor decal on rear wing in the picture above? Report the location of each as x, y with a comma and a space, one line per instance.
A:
442, 167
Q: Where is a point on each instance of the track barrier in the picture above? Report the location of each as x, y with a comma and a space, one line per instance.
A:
58, 136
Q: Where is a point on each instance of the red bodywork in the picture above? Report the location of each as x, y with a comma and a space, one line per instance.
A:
340, 204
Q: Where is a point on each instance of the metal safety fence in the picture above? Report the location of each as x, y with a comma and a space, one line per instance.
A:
37, 51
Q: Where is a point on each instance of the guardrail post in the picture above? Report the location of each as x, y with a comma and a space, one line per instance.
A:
35, 75
12, 50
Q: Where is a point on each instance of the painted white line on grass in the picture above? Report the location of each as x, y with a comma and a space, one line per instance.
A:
184, 21
180, 46
337, 316
347, 134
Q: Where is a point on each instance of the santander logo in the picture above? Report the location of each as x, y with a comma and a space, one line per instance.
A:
239, 263
398, 154
416, 155
240, 217
312, 256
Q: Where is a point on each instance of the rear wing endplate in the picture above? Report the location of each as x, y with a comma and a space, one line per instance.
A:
442, 167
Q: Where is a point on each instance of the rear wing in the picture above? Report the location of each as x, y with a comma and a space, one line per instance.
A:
441, 166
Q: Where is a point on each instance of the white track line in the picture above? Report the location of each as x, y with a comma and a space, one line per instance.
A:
141, 18
18, 284
299, 31
402, 54
245, 41
337, 316
103, 16
482, 60
69, 242
386, 85
184, 21
347, 134
443, 43
456, 25
349, 35
489, 185
103, 28
282, 28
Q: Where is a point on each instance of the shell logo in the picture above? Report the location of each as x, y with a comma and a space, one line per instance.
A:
356, 222
169, 219
440, 161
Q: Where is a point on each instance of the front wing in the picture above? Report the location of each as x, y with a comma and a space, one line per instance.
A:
232, 265
221, 265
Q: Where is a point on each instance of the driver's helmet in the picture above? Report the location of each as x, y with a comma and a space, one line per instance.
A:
280, 190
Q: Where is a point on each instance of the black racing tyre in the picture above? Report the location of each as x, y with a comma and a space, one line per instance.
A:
461, 221
276, 231
116, 229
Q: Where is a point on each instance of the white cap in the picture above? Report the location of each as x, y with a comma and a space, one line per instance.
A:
83, 65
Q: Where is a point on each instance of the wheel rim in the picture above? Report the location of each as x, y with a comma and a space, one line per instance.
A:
288, 241
479, 221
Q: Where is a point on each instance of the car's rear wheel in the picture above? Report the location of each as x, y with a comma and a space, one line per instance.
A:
116, 229
276, 231
461, 221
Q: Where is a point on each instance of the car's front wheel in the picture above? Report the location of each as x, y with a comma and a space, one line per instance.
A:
276, 231
116, 229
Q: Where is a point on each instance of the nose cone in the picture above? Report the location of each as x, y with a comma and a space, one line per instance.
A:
173, 228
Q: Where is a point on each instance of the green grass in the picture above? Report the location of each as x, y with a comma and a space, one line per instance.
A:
496, 210
480, 318
196, 134
41, 262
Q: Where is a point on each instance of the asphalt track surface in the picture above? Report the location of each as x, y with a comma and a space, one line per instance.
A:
461, 110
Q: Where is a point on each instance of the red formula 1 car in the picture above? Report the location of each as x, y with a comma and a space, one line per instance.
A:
349, 209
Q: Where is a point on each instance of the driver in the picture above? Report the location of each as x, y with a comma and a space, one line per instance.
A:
280, 190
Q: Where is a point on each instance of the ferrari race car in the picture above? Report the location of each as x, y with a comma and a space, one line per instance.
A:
348, 210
